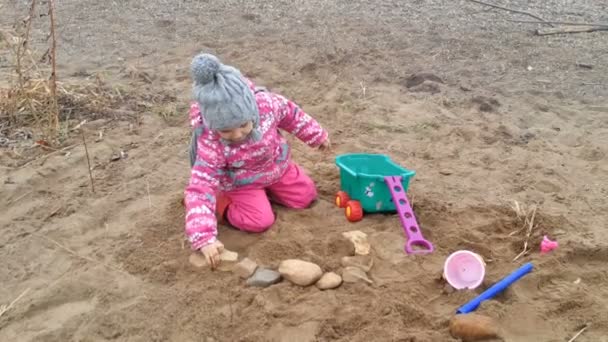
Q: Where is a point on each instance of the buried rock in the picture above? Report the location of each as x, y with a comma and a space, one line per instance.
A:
359, 240
227, 257
264, 277
329, 280
364, 262
353, 274
245, 268
300, 272
473, 327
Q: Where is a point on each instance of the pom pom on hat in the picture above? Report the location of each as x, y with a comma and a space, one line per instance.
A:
225, 99
203, 68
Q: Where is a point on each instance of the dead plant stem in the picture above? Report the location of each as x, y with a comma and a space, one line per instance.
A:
86, 150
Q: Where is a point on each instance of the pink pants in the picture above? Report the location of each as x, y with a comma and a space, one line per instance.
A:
249, 210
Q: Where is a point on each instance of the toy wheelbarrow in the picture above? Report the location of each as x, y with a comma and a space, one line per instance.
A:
372, 183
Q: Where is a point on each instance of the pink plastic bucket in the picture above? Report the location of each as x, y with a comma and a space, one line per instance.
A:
464, 270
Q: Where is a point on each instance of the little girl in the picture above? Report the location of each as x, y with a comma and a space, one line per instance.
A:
238, 156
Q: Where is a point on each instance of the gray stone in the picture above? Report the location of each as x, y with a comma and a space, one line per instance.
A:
264, 277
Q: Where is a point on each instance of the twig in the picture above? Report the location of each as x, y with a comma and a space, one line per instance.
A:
53, 79
512, 10
81, 256
47, 155
556, 23
19, 198
29, 25
148, 191
579, 333
570, 29
528, 233
4, 309
86, 150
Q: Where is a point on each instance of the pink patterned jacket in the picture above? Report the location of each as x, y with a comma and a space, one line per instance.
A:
223, 167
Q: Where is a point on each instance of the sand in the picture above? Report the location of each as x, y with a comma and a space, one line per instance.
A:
485, 112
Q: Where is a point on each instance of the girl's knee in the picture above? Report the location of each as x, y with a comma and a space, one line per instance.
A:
306, 199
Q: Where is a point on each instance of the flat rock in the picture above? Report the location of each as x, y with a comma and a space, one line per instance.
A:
229, 256
197, 259
352, 274
329, 280
473, 327
245, 268
300, 272
364, 262
359, 239
264, 277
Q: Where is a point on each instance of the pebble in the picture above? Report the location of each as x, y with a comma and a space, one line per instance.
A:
352, 274
230, 256
473, 327
300, 272
264, 277
245, 268
197, 259
359, 239
364, 262
329, 281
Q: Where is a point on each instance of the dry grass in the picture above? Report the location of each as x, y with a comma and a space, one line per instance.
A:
526, 215
34, 97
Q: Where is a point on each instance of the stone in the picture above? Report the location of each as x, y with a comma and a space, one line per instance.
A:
352, 274
229, 256
300, 272
245, 268
473, 327
359, 239
197, 259
364, 262
264, 277
329, 281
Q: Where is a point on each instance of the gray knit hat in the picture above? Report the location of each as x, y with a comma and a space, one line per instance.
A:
225, 99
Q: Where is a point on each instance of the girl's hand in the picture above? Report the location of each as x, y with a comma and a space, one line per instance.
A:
212, 253
326, 145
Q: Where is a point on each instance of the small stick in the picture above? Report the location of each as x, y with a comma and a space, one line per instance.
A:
512, 10
47, 155
88, 161
148, 191
53, 79
29, 25
529, 232
19, 198
579, 333
571, 29
556, 23
81, 256
4, 309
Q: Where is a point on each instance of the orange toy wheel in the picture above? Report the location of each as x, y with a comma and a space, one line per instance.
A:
341, 199
353, 211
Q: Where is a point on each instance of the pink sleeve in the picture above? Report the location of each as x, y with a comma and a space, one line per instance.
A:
195, 115
200, 194
295, 121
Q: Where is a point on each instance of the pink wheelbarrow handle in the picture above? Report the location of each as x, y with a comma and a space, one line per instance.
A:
408, 220
425, 244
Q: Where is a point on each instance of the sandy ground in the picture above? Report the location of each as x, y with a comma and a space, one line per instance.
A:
512, 118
